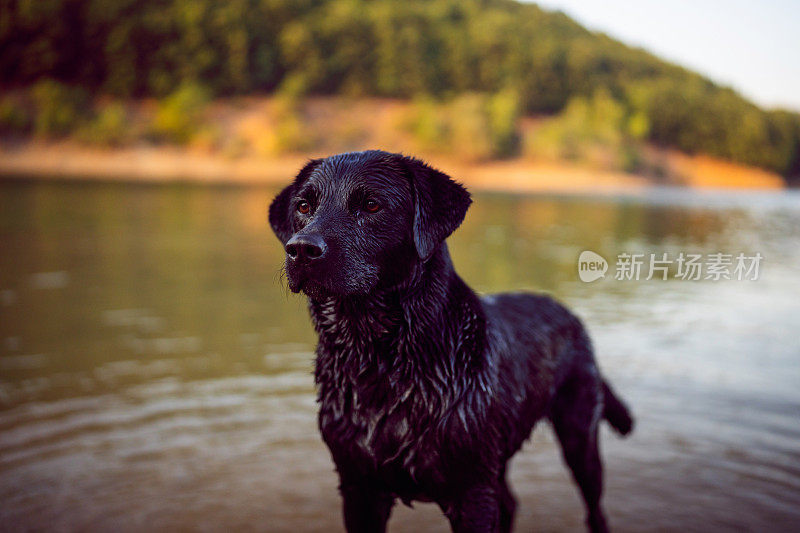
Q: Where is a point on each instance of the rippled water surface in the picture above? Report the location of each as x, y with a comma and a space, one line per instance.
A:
155, 375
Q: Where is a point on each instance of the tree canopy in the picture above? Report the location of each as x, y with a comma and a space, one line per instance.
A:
409, 48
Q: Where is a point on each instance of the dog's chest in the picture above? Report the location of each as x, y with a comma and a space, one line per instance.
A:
382, 398
371, 411
376, 422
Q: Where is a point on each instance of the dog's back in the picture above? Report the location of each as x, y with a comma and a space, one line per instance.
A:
544, 354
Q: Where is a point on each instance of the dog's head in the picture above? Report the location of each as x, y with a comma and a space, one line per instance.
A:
353, 222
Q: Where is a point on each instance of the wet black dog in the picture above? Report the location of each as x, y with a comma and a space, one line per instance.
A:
426, 390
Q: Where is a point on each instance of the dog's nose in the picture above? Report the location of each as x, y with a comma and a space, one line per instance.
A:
306, 247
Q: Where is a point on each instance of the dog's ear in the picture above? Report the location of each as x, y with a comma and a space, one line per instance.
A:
279, 215
440, 205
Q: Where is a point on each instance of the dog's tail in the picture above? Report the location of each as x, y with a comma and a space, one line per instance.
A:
616, 412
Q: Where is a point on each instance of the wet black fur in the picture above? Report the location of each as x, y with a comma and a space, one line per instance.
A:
426, 389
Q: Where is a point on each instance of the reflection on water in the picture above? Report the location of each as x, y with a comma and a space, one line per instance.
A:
154, 372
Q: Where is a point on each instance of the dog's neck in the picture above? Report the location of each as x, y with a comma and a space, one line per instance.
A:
393, 329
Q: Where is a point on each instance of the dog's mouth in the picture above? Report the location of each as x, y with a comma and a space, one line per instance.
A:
341, 280
302, 282
315, 290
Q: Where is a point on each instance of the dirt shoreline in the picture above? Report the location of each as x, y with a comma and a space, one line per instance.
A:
149, 164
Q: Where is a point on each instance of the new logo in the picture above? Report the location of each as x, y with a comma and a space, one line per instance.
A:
591, 266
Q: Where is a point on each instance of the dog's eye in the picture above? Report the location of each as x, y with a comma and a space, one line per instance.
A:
303, 207
371, 206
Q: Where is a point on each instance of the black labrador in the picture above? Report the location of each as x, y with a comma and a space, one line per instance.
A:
426, 389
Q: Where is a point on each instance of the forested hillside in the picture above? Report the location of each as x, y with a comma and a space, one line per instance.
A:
529, 60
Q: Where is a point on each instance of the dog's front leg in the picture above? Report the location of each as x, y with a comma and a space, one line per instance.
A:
366, 508
476, 510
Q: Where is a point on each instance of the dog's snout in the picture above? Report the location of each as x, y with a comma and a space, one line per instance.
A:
306, 247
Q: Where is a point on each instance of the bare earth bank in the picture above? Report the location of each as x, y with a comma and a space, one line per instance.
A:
147, 163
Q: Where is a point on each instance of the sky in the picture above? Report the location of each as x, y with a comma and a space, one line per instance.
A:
752, 46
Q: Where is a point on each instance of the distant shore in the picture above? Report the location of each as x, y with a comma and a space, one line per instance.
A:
148, 163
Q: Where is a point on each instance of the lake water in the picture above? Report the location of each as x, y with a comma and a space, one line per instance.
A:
155, 374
